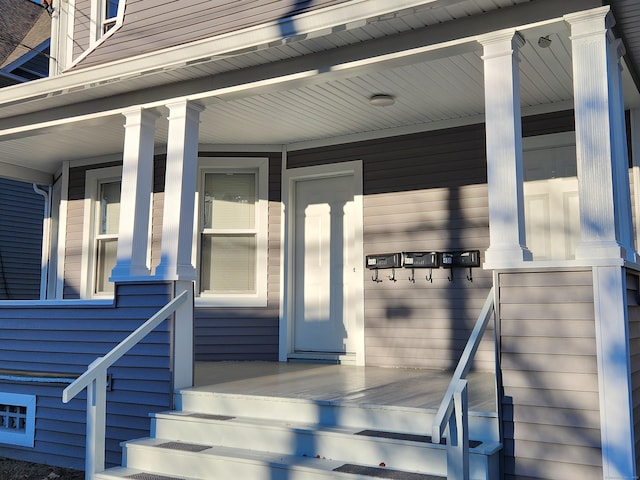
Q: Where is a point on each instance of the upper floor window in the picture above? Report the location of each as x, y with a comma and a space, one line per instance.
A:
232, 232
110, 14
102, 217
105, 16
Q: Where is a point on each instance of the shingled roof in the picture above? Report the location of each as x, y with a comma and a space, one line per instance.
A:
24, 27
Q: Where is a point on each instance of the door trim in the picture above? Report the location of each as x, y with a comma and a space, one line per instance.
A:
289, 179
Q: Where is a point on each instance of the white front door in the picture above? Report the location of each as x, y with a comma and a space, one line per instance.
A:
326, 268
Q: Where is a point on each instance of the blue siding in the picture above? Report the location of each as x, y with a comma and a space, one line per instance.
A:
65, 340
21, 215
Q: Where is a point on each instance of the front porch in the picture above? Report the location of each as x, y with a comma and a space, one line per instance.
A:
402, 387
311, 421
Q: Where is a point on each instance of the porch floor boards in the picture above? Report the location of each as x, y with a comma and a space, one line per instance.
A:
416, 388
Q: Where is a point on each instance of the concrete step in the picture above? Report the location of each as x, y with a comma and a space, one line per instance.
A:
172, 460
346, 444
482, 426
224, 436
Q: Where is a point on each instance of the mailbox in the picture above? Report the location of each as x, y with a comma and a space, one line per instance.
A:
420, 259
384, 260
464, 259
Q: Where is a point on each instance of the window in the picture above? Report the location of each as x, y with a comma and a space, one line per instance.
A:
17, 419
232, 233
102, 217
110, 14
105, 15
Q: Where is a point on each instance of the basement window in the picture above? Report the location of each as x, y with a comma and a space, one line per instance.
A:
17, 419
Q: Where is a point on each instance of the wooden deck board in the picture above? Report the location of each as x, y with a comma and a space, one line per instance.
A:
416, 388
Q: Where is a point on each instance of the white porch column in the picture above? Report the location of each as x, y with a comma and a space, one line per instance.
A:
179, 193
135, 197
605, 223
603, 182
507, 244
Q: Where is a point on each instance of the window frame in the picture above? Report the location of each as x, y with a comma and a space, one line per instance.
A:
103, 26
17, 437
93, 179
259, 166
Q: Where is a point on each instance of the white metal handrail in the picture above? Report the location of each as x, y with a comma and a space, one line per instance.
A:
455, 401
95, 381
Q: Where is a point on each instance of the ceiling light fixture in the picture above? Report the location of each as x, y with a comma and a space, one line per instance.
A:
544, 42
382, 100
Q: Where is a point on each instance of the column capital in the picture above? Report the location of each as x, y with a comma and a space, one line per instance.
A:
184, 105
502, 37
590, 22
141, 112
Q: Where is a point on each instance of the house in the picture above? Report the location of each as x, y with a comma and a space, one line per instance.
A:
335, 181
24, 42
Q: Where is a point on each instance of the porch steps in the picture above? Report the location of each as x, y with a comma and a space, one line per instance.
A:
217, 436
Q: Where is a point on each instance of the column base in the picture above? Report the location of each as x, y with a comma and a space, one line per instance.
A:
505, 257
601, 250
176, 272
124, 271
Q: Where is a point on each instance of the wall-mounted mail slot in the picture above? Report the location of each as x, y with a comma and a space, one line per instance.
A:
420, 259
466, 258
384, 260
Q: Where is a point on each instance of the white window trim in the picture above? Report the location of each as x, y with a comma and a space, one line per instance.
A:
96, 35
26, 438
261, 166
87, 273
98, 15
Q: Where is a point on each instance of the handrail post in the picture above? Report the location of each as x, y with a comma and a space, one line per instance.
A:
458, 439
95, 378
96, 423
183, 338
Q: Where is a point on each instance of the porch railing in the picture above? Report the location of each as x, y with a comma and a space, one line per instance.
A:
95, 381
454, 409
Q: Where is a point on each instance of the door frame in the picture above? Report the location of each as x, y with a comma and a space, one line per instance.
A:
289, 179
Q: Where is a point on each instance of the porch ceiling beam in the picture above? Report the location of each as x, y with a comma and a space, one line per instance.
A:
24, 174
424, 44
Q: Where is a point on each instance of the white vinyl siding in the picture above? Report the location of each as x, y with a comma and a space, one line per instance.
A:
232, 232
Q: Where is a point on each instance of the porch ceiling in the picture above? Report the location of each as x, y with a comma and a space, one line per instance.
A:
432, 90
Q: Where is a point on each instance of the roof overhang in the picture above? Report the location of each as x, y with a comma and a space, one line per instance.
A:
78, 115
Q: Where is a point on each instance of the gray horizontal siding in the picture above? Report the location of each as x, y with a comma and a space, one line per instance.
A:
21, 217
81, 26
155, 25
413, 203
550, 379
65, 340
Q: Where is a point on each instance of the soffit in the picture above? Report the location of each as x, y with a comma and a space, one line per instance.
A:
431, 91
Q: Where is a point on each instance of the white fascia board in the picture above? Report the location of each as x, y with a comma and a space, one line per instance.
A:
317, 21
24, 174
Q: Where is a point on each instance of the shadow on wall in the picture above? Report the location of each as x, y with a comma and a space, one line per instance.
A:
287, 25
